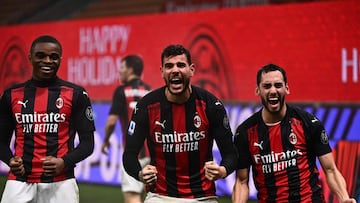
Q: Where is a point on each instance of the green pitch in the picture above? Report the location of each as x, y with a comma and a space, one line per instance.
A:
94, 193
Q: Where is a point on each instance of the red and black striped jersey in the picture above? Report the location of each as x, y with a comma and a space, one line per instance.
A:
125, 99
283, 156
180, 139
45, 117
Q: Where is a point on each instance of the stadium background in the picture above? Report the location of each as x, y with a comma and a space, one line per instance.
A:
316, 41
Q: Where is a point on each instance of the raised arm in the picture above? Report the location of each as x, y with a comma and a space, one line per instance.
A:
335, 180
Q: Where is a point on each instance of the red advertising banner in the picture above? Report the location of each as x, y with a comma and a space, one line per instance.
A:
317, 43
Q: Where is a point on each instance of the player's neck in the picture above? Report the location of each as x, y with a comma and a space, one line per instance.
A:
178, 98
131, 77
273, 118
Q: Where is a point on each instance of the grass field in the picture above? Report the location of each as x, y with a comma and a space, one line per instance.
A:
92, 193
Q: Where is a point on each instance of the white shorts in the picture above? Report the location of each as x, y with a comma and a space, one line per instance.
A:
56, 192
129, 183
155, 198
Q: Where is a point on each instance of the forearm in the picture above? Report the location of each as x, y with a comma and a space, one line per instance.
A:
5, 152
131, 163
337, 184
240, 193
229, 160
108, 131
82, 151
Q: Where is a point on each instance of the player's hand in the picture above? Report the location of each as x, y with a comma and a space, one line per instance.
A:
52, 166
350, 200
16, 166
148, 175
214, 171
105, 147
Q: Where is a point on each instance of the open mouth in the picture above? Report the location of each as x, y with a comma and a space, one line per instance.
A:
176, 81
46, 69
273, 100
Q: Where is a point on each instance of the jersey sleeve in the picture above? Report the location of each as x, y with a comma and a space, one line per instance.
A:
84, 126
83, 112
319, 136
7, 127
118, 106
138, 130
241, 144
221, 131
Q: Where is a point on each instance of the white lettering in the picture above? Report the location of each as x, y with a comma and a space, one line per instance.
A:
179, 137
101, 39
40, 117
274, 157
351, 63
93, 71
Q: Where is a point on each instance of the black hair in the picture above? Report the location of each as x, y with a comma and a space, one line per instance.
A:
45, 38
174, 50
135, 62
268, 68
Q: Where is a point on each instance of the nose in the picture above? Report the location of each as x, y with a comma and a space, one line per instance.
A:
175, 69
47, 59
272, 89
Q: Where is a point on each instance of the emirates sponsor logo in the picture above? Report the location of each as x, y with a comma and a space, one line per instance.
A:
180, 142
40, 117
40, 122
277, 161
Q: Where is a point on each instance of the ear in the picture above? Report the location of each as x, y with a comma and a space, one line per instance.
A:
257, 91
162, 72
131, 69
287, 89
192, 69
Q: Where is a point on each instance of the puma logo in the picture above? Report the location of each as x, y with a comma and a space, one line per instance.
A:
160, 124
23, 103
258, 145
217, 103
314, 120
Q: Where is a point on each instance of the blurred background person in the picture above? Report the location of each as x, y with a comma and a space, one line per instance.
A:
123, 103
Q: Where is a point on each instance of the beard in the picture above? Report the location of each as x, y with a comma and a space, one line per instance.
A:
277, 110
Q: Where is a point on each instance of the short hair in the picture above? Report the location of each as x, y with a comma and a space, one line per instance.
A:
174, 50
268, 68
45, 38
135, 62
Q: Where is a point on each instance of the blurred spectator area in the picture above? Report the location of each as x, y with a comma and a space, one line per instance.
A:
29, 11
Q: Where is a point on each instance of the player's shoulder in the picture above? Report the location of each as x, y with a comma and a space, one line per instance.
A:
145, 85
70, 84
207, 97
12, 88
77, 89
16, 86
296, 111
307, 118
251, 121
154, 96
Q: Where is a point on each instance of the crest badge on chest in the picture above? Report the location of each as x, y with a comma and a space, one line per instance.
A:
292, 138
